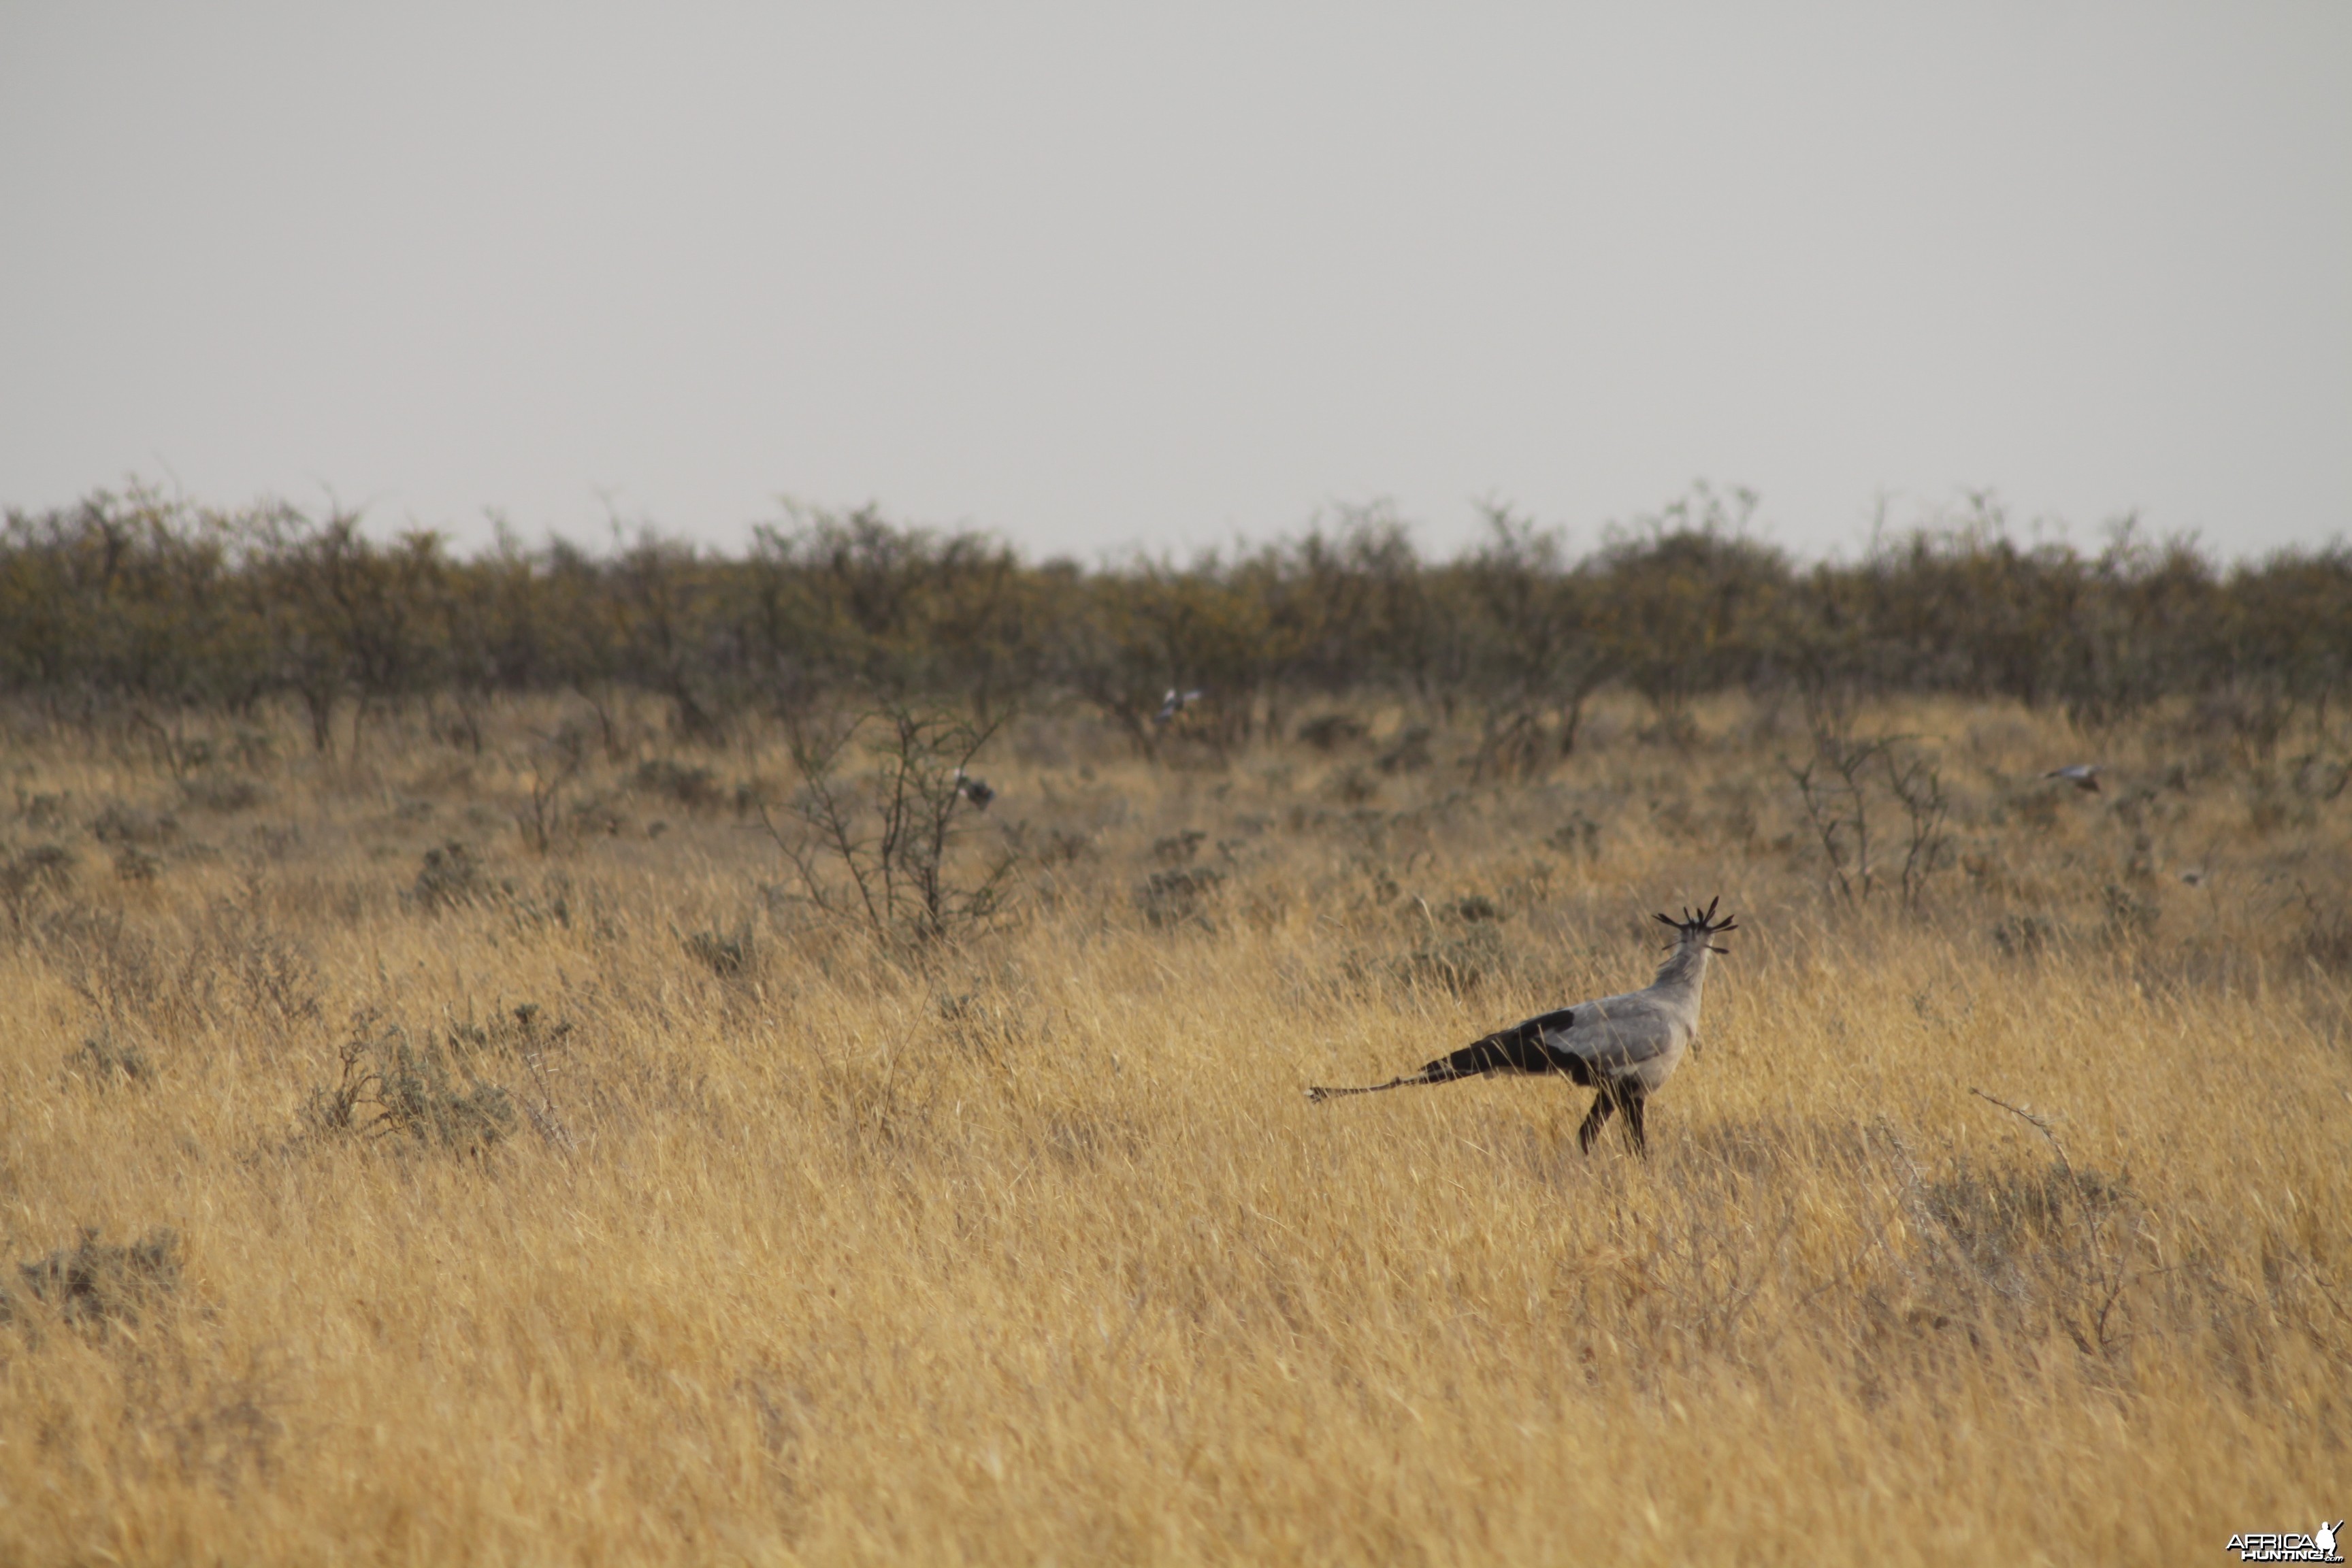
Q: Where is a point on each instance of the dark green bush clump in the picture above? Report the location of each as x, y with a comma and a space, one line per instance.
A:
224, 793
119, 824
1458, 962
392, 1087
43, 868
694, 788
2024, 936
103, 1060
1174, 898
1329, 732
726, 953
449, 876
133, 864
94, 1283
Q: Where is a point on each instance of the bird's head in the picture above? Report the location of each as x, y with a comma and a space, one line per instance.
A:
1701, 927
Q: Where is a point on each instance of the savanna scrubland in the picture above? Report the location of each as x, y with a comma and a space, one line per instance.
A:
429, 1153
545, 1058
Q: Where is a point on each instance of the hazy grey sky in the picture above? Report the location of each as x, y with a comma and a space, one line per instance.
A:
1104, 275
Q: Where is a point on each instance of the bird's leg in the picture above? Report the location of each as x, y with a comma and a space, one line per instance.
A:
1603, 1105
1634, 1105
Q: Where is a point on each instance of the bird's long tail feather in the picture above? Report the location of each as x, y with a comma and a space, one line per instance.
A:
1317, 1094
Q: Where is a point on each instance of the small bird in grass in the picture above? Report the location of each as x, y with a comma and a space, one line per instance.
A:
973, 790
1625, 1046
1175, 702
2082, 776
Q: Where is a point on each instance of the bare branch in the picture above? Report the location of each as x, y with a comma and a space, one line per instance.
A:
2040, 1125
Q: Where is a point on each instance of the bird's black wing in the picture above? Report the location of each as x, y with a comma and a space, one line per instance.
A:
1520, 1048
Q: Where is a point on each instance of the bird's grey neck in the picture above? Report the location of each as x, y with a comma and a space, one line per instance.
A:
1686, 966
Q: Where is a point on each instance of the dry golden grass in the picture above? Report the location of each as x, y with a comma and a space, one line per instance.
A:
1033, 1251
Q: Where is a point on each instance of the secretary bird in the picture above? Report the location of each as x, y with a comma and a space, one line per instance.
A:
1625, 1046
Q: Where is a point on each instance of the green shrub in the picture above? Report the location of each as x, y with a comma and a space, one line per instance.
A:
393, 1088
94, 1284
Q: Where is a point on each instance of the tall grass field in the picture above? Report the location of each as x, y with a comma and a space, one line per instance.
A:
535, 1146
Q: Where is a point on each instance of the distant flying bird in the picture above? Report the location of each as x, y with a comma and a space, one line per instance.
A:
1625, 1046
1175, 702
2082, 776
973, 790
